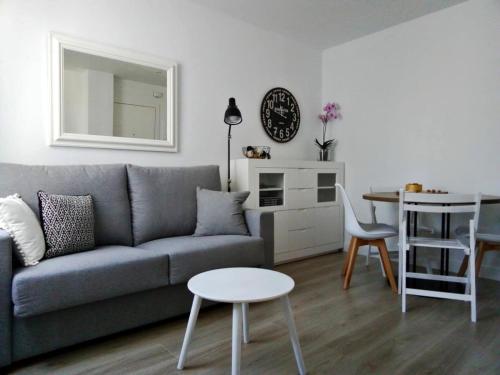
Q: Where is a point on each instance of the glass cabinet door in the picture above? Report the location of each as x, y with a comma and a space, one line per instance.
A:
326, 187
271, 189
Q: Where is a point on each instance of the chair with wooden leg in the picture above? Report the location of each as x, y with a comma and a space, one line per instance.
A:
393, 254
486, 241
364, 235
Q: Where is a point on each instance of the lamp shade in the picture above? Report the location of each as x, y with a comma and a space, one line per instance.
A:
233, 114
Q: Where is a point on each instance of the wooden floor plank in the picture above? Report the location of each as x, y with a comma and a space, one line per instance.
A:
357, 331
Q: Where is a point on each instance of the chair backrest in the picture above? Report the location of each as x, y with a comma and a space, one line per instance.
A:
439, 203
379, 189
351, 222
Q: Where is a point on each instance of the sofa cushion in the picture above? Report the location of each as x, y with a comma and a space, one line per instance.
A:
68, 223
106, 183
163, 199
190, 255
220, 212
80, 278
24, 228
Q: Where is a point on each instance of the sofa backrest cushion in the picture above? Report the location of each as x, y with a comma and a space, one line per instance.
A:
163, 199
106, 183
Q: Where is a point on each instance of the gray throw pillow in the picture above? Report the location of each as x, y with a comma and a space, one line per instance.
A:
220, 213
67, 222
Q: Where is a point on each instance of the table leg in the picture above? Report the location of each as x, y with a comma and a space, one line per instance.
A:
415, 233
236, 353
294, 338
447, 262
443, 230
408, 230
246, 334
193, 316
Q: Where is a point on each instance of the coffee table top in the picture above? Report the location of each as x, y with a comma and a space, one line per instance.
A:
239, 285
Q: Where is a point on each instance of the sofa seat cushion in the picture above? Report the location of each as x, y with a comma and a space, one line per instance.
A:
80, 278
189, 255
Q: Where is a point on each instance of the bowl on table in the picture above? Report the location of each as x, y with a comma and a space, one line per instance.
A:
257, 152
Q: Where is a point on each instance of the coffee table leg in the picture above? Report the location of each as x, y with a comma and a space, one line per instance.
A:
287, 309
193, 316
236, 360
246, 335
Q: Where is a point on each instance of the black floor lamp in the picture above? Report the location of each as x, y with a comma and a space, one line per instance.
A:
231, 117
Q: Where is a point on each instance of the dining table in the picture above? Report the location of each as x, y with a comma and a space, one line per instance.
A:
393, 197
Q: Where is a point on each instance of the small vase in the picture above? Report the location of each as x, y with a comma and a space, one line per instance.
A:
324, 155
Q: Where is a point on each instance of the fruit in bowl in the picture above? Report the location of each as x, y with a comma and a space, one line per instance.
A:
257, 152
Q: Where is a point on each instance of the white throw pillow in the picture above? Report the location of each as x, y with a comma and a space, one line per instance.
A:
21, 223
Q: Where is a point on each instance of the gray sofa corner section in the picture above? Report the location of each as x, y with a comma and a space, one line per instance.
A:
261, 224
5, 300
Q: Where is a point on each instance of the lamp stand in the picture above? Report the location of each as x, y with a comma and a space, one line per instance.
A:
229, 159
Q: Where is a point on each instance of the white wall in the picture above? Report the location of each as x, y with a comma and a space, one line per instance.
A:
219, 57
421, 102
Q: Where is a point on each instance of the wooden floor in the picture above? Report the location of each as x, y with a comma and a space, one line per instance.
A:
359, 331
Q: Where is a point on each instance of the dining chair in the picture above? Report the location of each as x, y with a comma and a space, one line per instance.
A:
370, 253
439, 204
487, 240
394, 255
365, 234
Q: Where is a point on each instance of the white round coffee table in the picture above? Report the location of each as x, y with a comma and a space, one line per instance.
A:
241, 286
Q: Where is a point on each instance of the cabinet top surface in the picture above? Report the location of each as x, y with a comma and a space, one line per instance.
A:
287, 163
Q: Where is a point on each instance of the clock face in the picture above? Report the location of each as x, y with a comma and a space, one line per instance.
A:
280, 115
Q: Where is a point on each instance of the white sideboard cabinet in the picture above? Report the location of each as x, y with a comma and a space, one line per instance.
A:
308, 216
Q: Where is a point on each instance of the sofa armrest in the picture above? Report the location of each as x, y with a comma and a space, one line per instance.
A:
5, 297
261, 224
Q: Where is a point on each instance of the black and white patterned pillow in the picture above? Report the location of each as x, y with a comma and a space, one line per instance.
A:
68, 223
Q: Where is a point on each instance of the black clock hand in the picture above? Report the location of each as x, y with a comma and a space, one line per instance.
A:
280, 113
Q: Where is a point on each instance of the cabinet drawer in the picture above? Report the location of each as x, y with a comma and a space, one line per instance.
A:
299, 198
327, 225
293, 230
299, 219
300, 239
300, 178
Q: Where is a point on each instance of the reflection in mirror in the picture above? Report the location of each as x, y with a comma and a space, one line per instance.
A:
108, 97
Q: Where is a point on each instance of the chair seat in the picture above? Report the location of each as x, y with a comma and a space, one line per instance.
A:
439, 243
483, 234
373, 231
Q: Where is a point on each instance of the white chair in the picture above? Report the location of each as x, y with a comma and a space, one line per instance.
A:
365, 234
393, 254
373, 214
438, 203
488, 239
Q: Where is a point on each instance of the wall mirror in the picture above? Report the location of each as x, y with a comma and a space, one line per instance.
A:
105, 97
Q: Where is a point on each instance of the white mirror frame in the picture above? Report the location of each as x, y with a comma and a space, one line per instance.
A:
57, 44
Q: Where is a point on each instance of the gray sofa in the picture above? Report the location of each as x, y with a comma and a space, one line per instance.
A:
145, 254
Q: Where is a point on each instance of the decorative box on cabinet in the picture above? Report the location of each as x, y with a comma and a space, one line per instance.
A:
308, 216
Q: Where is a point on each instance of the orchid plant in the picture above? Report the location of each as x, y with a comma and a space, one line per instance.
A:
331, 112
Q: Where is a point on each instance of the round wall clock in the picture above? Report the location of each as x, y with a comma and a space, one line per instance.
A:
280, 114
